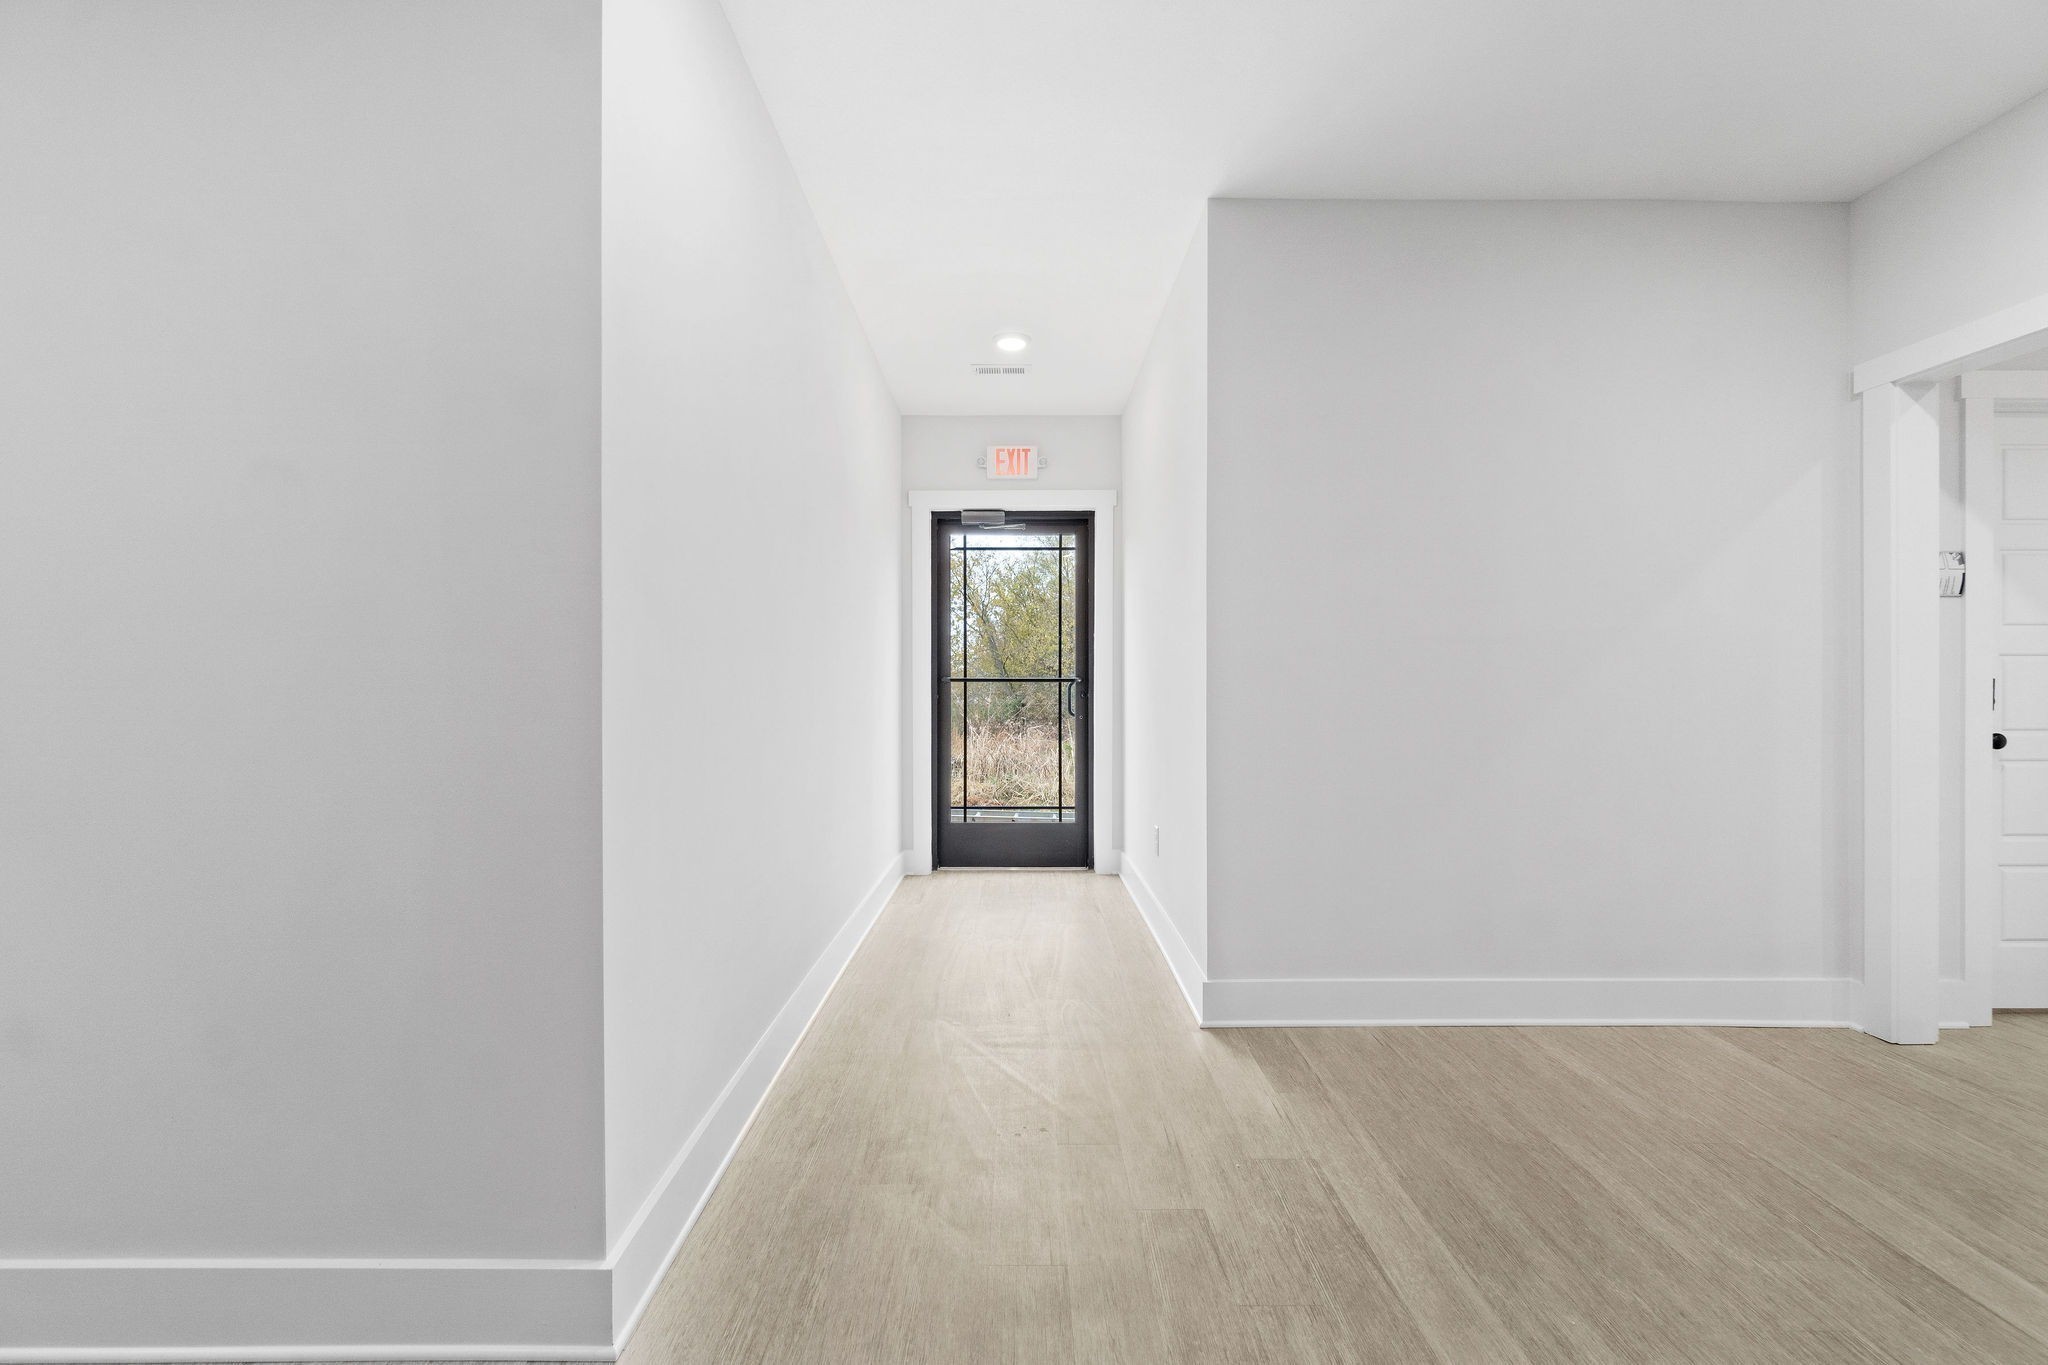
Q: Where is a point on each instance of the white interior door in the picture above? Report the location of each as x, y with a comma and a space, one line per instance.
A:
2006, 692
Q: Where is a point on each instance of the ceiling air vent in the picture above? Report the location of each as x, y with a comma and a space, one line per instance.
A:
993, 368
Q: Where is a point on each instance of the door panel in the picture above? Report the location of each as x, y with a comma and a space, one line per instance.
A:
2026, 903
1011, 678
2006, 758
2024, 795
2026, 587
2024, 697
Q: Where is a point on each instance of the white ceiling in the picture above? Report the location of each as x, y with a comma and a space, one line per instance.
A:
980, 165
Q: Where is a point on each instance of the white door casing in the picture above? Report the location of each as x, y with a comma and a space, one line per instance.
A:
1901, 708
2005, 790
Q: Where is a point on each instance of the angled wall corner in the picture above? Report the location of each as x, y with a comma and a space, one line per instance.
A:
1166, 527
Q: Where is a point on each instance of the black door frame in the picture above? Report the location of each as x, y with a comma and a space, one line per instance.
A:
1023, 844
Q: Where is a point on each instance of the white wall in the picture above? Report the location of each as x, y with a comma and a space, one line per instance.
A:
1075, 452
752, 538
299, 844
1532, 599
1165, 505
1956, 238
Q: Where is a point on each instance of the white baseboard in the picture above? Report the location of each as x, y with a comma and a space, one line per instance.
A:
647, 1247
224, 1310
1180, 959
333, 1310
1765, 1002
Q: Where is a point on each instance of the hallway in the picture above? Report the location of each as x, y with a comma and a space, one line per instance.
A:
1003, 1139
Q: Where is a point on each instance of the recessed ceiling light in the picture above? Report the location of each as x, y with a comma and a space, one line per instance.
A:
1012, 342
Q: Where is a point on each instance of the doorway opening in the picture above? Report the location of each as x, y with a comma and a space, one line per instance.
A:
1902, 997
2005, 694
1012, 689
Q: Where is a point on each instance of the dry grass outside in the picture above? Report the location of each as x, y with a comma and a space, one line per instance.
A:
1012, 763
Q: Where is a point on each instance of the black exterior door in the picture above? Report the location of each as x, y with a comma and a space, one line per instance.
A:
1011, 645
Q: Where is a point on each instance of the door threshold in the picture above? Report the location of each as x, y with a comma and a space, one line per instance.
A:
1075, 868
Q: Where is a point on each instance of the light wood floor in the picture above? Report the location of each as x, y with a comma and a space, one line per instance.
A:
1003, 1140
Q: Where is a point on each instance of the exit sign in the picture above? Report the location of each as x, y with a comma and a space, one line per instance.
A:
1013, 462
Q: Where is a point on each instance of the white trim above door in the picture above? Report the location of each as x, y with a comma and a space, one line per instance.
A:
1107, 684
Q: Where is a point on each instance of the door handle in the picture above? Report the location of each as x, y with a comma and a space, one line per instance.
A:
1073, 698
1997, 741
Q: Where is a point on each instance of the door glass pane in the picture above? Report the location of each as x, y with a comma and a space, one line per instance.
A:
956, 731
1069, 605
1009, 606
1013, 748
1068, 779
1010, 540
958, 622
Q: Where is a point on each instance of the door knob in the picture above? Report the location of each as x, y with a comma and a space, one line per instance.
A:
1997, 741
